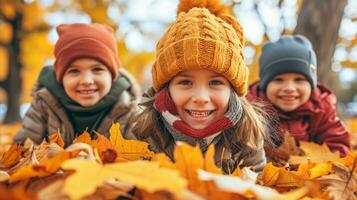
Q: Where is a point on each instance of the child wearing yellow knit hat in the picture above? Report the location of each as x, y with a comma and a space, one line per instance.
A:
199, 83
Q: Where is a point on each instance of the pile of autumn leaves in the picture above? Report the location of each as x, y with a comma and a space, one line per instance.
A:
109, 168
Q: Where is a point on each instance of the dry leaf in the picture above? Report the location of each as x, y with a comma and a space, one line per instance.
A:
144, 174
16, 193
279, 176
105, 148
56, 138
44, 168
247, 189
129, 149
12, 156
350, 160
342, 185
316, 153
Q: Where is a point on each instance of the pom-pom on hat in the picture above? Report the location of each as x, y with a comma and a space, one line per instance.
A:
204, 36
81, 40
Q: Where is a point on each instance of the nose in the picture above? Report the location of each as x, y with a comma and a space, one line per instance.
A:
86, 79
201, 96
289, 86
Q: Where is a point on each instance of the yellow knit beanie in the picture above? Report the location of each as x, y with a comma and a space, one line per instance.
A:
204, 36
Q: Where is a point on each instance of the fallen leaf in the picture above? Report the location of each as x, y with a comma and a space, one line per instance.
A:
12, 156
56, 138
247, 189
106, 150
144, 174
350, 160
16, 193
4, 176
316, 153
342, 185
44, 168
129, 149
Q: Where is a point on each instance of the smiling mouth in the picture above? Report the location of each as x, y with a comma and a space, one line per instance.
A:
199, 114
288, 98
87, 91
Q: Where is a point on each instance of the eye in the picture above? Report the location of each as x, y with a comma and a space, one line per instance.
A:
72, 71
300, 79
184, 82
216, 82
278, 79
98, 69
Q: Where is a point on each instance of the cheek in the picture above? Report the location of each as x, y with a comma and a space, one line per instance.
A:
271, 91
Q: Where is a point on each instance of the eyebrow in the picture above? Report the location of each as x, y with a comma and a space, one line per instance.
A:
189, 76
94, 65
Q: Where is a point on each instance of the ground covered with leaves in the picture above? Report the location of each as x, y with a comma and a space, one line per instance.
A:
116, 167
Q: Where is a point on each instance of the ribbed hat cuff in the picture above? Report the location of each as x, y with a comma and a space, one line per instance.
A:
85, 49
288, 65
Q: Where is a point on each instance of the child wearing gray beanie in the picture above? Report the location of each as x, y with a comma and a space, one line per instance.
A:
288, 85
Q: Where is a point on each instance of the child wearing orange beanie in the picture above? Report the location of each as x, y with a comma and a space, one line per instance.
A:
84, 90
199, 82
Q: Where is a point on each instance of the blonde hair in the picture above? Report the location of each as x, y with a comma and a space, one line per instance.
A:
251, 130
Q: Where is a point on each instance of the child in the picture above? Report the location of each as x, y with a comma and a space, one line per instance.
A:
199, 83
305, 108
84, 90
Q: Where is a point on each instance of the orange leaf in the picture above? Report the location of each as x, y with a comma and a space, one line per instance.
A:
188, 160
44, 168
84, 138
105, 148
270, 175
12, 156
17, 193
56, 138
349, 160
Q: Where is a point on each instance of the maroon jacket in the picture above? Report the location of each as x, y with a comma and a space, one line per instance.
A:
315, 121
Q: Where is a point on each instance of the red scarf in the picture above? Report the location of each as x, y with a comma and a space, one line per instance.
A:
164, 104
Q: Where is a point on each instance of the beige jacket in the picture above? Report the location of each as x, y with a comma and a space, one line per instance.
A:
46, 115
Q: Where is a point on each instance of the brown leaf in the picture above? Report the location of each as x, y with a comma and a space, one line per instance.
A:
56, 138
342, 185
44, 168
106, 150
12, 156
16, 193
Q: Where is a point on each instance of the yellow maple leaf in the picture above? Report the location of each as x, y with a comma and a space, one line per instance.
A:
188, 160
129, 149
315, 152
321, 170
144, 174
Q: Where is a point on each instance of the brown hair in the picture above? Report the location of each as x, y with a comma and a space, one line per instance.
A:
251, 130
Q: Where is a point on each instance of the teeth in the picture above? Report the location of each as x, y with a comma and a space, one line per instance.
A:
199, 114
86, 91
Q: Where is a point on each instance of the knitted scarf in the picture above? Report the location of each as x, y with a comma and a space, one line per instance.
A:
183, 132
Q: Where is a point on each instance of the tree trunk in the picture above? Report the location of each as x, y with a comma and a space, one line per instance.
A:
319, 20
13, 82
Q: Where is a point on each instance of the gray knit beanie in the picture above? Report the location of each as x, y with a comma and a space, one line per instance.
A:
290, 54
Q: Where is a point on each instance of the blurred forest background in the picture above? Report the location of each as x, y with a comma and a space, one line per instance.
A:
27, 37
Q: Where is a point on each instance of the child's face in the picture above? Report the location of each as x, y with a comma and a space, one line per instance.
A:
87, 81
288, 91
200, 96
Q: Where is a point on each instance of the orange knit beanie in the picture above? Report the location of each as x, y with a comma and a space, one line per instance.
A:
204, 36
79, 40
